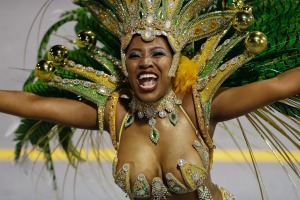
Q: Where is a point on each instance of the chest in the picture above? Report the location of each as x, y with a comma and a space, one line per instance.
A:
178, 162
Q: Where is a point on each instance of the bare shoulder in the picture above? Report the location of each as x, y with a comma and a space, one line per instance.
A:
188, 106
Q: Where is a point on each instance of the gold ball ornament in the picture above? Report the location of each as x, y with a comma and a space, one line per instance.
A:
58, 54
256, 42
242, 20
86, 39
44, 70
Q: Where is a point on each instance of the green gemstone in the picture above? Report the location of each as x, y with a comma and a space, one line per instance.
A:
173, 117
129, 120
154, 135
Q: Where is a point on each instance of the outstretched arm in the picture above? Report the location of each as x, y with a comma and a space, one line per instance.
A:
62, 111
235, 102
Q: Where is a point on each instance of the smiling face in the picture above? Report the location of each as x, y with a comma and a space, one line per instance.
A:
148, 64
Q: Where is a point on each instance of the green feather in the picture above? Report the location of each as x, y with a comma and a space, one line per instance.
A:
65, 135
37, 132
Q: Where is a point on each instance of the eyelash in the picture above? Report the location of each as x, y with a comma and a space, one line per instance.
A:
159, 53
155, 54
134, 55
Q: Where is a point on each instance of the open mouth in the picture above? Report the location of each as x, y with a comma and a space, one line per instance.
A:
147, 81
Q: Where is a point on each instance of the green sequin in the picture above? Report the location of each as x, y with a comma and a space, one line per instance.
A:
154, 135
129, 121
173, 117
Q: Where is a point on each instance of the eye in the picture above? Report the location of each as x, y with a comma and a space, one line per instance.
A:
133, 55
159, 53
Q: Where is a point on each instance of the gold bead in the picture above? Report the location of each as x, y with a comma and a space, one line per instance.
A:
239, 3
256, 42
246, 8
44, 70
58, 54
242, 20
86, 39
236, 5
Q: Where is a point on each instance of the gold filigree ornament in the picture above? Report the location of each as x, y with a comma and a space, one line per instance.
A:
180, 22
163, 107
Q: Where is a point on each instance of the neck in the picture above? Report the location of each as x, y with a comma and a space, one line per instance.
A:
165, 104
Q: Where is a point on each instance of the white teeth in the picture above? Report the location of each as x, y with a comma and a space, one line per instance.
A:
147, 76
147, 86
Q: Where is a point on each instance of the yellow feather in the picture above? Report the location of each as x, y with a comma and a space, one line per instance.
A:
186, 75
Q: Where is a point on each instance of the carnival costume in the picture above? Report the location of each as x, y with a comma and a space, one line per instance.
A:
216, 41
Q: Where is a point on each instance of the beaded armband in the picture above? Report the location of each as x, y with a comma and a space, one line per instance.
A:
101, 109
202, 119
112, 117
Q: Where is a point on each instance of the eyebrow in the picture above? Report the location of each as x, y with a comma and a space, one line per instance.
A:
134, 49
151, 49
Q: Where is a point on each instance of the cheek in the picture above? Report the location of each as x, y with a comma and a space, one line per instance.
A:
129, 71
130, 66
166, 65
131, 77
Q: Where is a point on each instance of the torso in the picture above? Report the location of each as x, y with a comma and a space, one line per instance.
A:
176, 143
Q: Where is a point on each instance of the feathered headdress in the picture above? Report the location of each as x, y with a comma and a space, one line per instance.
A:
181, 22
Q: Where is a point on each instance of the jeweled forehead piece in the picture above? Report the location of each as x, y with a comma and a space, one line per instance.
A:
181, 22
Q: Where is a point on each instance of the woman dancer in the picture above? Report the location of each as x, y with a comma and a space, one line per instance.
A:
161, 128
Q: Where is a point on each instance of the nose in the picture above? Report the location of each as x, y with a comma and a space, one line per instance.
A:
146, 62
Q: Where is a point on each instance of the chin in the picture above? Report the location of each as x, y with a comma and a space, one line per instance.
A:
151, 96
148, 97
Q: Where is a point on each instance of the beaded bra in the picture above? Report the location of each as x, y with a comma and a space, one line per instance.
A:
194, 177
